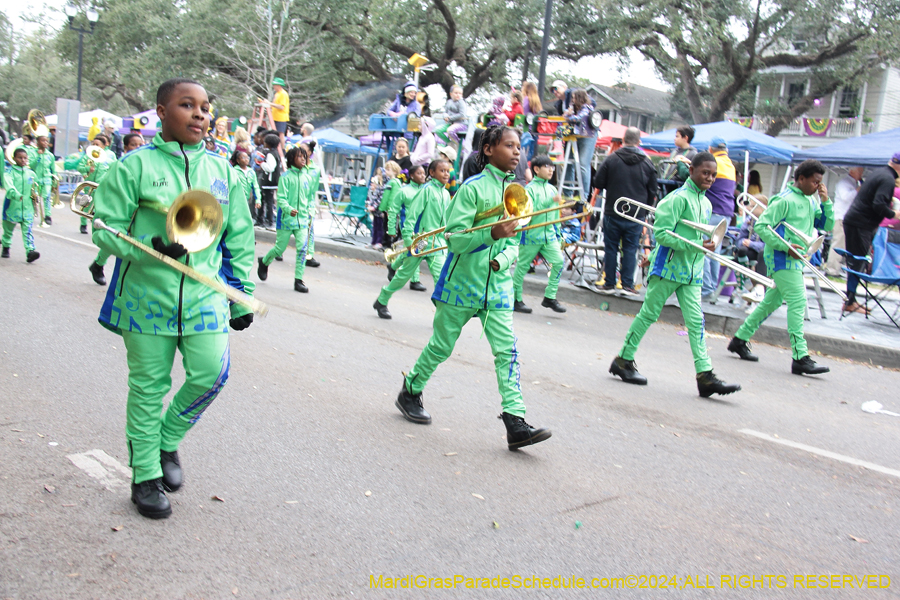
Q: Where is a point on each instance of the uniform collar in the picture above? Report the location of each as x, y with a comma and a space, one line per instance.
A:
177, 148
497, 173
689, 184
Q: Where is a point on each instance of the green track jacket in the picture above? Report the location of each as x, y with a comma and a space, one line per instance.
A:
467, 279
17, 206
673, 259
400, 199
427, 212
44, 167
806, 213
293, 194
250, 184
144, 294
312, 172
543, 195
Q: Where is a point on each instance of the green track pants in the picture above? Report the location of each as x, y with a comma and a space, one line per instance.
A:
206, 361
498, 328
27, 235
552, 253
658, 291
282, 237
409, 266
790, 288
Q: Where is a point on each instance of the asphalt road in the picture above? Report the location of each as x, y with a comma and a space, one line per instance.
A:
303, 480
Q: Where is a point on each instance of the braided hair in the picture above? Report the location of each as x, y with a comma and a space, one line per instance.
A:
491, 138
291, 155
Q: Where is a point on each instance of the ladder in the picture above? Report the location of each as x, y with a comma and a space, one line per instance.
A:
262, 115
572, 159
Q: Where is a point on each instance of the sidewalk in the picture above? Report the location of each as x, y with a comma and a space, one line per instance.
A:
874, 340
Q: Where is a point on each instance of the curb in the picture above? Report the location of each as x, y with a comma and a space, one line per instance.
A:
717, 320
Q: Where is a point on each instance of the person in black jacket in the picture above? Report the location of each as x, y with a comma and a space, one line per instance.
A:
873, 204
626, 172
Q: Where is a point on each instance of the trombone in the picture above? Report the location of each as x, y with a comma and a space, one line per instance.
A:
714, 233
809, 243
194, 220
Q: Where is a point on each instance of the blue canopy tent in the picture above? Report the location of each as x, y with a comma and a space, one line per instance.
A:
871, 150
744, 144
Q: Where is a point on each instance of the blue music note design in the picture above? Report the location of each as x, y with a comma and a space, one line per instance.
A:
158, 313
207, 311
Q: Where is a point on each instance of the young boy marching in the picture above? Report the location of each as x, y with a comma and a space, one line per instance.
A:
677, 268
18, 208
44, 167
156, 309
805, 206
397, 215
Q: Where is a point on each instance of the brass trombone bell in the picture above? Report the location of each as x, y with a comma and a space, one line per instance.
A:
194, 220
715, 233
516, 206
78, 205
812, 244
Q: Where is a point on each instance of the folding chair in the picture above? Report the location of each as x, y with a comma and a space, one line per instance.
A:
354, 215
885, 270
587, 256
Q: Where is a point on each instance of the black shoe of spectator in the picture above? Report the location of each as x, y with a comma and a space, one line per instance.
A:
299, 286
262, 270
520, 306
411, 406
553, 304
417, 287
97, 273
312, 262
708, 384
32, 256
627, 370
519, 433
742, 349
807, 366
382, 310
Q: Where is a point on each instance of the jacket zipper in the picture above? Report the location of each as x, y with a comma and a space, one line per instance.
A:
187, 179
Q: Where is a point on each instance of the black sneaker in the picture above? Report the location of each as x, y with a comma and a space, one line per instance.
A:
417, 287
279, 258
627, 370
708, 384
48, 220
520, 306
411, 406
391, 272
742, 349
519, 433
5, 252
151, 499
312, 262
382, 310
263, 270
97, 273
32, 256
553, 304
83, 229
299, 286
807, 366
173, 476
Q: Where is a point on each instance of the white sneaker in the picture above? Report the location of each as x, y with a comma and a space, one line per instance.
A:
754, 296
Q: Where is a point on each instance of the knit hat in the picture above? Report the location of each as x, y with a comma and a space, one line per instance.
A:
278, 81
410, 84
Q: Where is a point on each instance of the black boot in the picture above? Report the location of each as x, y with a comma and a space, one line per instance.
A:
553, 304
411, 406
742, 349
391, 272
97, 273
5, 252
83, 229
173, 477
312, 262
263, 270
807, 366
519, 433
627, 370
32, 256
48, 220
150, 499
520, 306
382, 310
417, 287
299, 286
708, 384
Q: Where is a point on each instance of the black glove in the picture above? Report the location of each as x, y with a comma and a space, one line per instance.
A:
241, 323
175, 251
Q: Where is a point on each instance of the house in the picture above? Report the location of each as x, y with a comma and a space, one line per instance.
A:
635, 105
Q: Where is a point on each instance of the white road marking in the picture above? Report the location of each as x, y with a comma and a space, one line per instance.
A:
826, 453
92, 461
62, 237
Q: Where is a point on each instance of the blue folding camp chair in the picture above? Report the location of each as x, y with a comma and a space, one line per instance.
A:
885, 270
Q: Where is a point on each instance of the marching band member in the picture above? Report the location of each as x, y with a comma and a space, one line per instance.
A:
18, 208
426, 213
545, 241
797, 206
156, 309
397, 216
314, 177
43, 163
95, 169
475, 281
676, 267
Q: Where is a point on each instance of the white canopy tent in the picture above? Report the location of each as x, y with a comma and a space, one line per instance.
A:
85, 119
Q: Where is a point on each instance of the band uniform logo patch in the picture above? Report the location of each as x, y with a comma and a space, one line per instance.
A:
219, 189
161, 183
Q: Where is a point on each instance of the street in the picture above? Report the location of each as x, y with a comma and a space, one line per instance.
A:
303, 480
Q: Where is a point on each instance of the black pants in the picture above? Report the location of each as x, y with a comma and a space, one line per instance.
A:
751, 255
857, 241
266, 214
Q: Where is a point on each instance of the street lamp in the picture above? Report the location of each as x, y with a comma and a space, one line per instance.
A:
92, 17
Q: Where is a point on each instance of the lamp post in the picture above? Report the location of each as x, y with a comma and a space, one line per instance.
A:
92, 17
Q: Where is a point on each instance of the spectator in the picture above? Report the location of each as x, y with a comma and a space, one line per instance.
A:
406, 103
306, 131
423, 153
456, 114
269, 174
115, 140
721, 196
563, 96
749, 248
626, 172
682, 154
242, 140
579, 115
281, 110
470, 166
449, 154
496, 112
844, 193
531, 103
515, 106
401, 154
873, 204
373, 206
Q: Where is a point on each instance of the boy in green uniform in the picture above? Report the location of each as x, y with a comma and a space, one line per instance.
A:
44, 167
293, 216
18, 208
545, 241
314, 176
426, 213
475, 281
677, 267
397, 213
156, 309
796, 206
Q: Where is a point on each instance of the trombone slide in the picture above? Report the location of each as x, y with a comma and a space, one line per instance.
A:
816, 272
